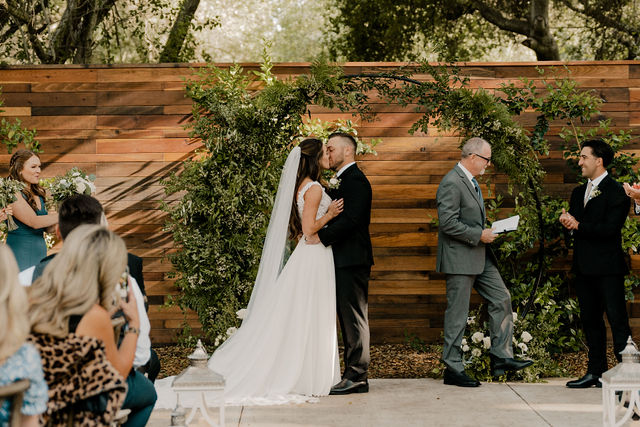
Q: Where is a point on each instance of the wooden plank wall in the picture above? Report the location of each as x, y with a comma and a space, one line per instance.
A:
125, 124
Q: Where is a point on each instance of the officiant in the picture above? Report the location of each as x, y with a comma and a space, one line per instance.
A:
467, 260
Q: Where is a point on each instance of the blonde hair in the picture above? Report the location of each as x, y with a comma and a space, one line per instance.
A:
13, 305
84, 273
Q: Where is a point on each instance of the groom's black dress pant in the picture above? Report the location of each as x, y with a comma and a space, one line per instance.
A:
352, 289
598, 295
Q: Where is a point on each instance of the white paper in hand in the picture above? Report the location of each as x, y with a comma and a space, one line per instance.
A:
507, 224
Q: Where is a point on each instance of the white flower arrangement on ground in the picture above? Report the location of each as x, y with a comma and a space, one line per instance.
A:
240, 314
476, 344
75, 181
9, 189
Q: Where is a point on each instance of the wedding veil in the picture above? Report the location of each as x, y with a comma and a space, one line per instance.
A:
275, 243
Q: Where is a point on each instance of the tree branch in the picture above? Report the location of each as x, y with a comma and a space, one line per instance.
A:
596, 14
179, 31
496, 17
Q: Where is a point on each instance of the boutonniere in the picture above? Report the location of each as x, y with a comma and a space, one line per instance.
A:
595, 192
334, 182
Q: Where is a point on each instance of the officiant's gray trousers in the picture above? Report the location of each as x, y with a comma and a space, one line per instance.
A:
490, 286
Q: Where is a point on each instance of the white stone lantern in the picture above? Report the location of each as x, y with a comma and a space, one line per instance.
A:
621, 384
197, 385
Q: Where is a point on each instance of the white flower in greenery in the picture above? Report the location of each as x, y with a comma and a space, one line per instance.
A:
471, 320
75, 174
465, 348
464, 341
526, 336
80, 186
334, 182
486, 342
476, 352
477, 337
242, 313
515, 316
522, 346
218, 340
232, 330
64, 182
514, 340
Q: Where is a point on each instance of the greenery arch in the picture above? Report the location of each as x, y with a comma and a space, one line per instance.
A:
247, 122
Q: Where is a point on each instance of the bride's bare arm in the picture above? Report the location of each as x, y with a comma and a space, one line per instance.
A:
311, 225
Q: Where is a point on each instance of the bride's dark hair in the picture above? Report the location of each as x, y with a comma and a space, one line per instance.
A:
310, 155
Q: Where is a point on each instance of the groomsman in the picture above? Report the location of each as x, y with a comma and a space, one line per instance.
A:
467, 261
597, 212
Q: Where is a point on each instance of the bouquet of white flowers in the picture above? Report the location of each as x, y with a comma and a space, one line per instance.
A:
75, 181
9, 188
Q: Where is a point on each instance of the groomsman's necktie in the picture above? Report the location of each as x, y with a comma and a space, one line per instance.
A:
588, 192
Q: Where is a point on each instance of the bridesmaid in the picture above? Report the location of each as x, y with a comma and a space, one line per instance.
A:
27, 241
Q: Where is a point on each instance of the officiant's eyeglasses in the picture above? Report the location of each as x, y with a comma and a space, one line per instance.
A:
483, 157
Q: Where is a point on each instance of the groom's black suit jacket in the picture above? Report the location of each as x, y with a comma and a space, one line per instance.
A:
597, 243
348, 233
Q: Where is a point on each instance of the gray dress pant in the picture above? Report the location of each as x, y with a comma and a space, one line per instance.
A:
490, 286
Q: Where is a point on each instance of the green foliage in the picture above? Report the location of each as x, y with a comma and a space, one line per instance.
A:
415, 342
498, 30
101, 31
225, 194
525, 257
321, 129
12, 133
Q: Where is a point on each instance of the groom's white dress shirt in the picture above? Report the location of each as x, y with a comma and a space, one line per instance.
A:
344, 168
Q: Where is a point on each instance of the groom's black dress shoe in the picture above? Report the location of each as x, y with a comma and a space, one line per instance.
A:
586, 381
500, 365
459, 378
346, 386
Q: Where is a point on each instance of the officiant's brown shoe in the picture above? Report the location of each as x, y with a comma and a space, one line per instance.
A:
346, 386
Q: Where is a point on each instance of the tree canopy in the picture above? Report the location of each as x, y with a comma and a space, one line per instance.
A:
390, 30
100, 31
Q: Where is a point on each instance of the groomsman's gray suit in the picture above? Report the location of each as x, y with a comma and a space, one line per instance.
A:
467, 263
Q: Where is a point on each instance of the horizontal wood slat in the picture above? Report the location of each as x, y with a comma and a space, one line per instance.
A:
126, 125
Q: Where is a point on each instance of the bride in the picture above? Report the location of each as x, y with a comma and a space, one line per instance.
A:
286, 349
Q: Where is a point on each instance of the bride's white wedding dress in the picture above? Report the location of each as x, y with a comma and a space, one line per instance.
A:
286, 349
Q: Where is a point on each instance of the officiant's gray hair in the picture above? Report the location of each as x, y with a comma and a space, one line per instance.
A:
472, 145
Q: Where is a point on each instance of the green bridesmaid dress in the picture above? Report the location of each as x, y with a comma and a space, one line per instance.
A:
28, 243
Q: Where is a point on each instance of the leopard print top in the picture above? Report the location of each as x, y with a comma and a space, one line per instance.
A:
82, 383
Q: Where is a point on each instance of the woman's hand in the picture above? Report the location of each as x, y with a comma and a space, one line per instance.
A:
5, 212
632, 191
335, 208
130, 309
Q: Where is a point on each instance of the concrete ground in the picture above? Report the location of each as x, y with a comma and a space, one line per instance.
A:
428, 402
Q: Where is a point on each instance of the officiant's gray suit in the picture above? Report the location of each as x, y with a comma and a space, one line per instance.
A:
467, 263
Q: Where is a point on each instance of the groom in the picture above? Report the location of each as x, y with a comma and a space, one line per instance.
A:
348, 235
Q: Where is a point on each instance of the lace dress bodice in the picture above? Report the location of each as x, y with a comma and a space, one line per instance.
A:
324, 202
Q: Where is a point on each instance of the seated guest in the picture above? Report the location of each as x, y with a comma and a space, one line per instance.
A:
82, 209
70, 315
18, 359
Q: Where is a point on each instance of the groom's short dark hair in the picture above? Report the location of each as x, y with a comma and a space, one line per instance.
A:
600, 149
345, 135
